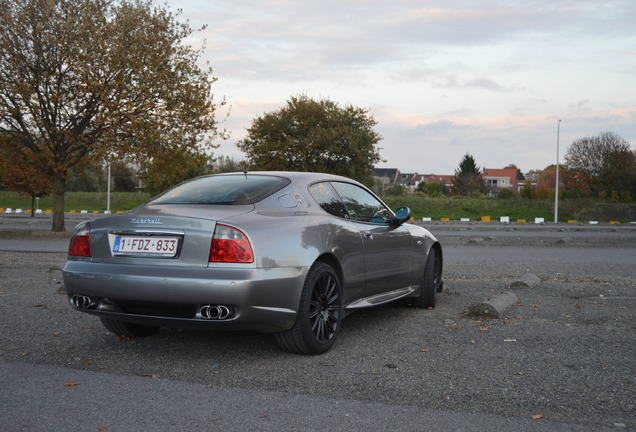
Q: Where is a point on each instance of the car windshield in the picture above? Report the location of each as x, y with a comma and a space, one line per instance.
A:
237, 189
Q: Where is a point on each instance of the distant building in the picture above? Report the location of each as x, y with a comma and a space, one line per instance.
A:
443, 179
212, 168
407, 180
387, 176
393, 176
505, 178
495, 179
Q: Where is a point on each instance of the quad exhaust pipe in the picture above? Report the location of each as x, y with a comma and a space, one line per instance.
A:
207, 312
216, 312
83, 301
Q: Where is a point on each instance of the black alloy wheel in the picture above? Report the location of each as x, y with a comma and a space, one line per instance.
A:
319, 315
324, 308
430, 282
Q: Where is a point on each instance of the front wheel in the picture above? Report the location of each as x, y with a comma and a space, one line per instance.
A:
123, 328
319, 316
430, 282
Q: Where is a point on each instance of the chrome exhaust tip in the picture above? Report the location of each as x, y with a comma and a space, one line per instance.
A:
215, 312
82, 301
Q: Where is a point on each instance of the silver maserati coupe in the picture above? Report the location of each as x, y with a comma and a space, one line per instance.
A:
287, 253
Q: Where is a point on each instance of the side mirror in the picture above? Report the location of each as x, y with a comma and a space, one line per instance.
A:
403, 214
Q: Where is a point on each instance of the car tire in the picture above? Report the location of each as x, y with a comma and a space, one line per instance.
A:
426, 299
123, 328
319, 315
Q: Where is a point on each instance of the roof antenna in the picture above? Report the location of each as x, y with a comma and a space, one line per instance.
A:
245, 168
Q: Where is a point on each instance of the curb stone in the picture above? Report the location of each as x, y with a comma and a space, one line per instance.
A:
528, 280
493, 307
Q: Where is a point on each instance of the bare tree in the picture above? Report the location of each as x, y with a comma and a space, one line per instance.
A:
603, 163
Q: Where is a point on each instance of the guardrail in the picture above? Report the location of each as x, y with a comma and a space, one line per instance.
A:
49, 211
502, 219
506, 220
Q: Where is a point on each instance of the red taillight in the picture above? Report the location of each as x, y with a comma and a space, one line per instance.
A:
230, 245
81, 241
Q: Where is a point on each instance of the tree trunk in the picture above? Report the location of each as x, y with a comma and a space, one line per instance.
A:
59, 187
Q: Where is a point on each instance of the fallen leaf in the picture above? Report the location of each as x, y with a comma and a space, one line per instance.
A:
424, 350
103, 427
88, 330
71, 384
57, 333
459, 327
537, 416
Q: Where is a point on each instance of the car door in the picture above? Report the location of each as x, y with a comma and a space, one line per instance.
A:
388, 251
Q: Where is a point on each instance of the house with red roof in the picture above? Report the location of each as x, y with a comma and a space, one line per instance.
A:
504, 178
443, 179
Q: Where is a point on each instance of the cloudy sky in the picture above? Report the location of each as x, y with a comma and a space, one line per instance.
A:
442, 78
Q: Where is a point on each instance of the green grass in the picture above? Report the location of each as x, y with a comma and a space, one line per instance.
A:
421, 206
475, 208
90, 201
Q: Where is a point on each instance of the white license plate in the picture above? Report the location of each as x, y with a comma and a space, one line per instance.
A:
138, 245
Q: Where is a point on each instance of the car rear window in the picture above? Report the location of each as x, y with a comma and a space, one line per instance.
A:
237, 189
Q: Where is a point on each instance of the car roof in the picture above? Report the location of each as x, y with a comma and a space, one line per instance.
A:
298, 176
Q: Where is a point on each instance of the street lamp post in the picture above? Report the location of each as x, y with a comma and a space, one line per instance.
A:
108, 192
556, 186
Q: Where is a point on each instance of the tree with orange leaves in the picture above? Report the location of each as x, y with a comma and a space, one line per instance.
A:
21, 175
100, 79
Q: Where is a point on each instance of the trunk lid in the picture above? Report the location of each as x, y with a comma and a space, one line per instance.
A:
162, 235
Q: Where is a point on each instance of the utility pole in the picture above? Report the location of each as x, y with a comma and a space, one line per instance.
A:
108, 192
556, 186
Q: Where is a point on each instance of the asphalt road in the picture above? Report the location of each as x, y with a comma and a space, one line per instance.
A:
562, 359
19, 232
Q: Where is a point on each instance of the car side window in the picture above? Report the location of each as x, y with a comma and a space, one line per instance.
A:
361, 205
328, 199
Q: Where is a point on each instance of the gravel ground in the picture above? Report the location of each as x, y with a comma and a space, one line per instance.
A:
565, 352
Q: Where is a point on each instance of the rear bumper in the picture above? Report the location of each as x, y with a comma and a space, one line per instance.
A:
264, 300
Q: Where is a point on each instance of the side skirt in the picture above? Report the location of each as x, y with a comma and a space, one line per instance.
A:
382, 298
